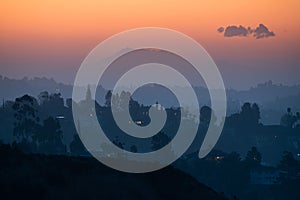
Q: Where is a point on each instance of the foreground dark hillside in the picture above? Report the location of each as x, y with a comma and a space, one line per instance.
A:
62, 177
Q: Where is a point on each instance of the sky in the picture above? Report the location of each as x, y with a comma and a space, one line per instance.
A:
51, 38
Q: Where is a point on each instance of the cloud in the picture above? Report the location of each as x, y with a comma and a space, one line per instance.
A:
240, 31
232, 31
220, 30
262, 32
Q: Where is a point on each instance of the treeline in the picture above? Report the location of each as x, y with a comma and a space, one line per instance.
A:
45, 125
246, 178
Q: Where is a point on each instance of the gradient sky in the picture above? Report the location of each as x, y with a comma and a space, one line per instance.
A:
51, 38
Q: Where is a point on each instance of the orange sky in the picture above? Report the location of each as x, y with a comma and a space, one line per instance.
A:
63, 29
61, 18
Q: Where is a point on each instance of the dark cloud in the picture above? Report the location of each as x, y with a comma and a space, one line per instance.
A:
220, 30
240, 31
232, 31
262, 32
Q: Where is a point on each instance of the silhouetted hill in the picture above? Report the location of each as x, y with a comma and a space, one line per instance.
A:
264, 92
63, 177
13, 88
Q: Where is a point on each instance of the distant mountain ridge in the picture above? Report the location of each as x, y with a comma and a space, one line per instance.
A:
12, 88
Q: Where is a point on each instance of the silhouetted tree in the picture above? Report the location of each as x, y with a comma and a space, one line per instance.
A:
124, 99
56, 101
118, 143
233, 120
88, 96
69, 102
205, 115
297, 124
289, 164
249, 115
253, 157
133, 149
43, 97
255, 113
25, 146
26, 124
76, 146
108, 98
159, 140
288, 119
52, 104
50, 137
246, 110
